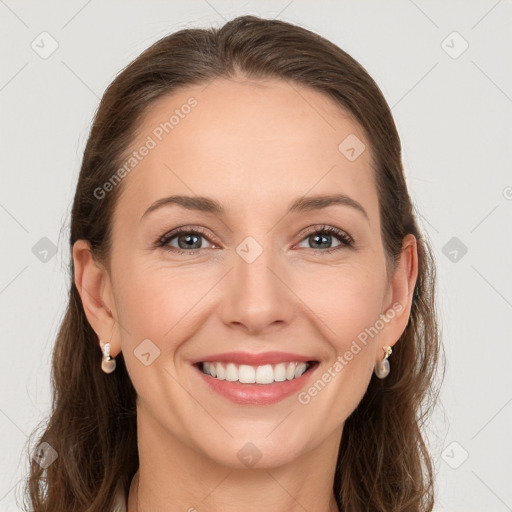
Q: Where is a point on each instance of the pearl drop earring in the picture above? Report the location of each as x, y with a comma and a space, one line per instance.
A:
382, 367
108, 363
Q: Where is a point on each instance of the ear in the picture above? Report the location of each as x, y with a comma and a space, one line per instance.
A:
397, 307
94, 286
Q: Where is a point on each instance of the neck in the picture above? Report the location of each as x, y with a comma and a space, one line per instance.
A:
134, 505
170, 472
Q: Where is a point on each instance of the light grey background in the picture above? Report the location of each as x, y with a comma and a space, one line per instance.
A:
453, 114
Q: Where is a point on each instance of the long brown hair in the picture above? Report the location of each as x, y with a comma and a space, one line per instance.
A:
383, 462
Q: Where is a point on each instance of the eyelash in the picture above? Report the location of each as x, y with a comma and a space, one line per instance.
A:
345, 239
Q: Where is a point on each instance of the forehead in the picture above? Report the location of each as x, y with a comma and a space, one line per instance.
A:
248, 142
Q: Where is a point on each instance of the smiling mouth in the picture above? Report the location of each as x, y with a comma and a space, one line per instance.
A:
263, 374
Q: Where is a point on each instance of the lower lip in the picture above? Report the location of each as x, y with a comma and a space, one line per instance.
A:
257, 394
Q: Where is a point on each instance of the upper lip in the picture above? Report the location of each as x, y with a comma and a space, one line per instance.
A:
253, 359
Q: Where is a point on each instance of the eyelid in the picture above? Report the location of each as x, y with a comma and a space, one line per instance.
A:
169, 235
188, 228
331, 230
345, 239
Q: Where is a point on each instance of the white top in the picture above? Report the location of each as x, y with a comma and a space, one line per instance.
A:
120, 502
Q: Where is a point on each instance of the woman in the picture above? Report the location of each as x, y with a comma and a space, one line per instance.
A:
251, 320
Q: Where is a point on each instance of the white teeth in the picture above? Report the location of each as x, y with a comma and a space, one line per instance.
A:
221, 373
264, 374
246, 374
231, 372
280, 372
290, 371
301, 368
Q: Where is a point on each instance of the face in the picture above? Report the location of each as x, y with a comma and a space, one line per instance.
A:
255, 275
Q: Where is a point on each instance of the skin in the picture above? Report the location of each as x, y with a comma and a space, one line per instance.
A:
254, 147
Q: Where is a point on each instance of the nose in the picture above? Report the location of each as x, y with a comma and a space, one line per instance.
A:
258, 297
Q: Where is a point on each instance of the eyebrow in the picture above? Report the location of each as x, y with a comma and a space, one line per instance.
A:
302, 204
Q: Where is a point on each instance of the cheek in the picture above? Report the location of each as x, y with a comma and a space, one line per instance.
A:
349, 304
144, 302
342, 301
164, 305
347, 301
